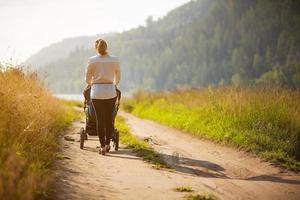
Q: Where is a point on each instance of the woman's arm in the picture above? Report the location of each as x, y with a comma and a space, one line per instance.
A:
88, 74
117, 74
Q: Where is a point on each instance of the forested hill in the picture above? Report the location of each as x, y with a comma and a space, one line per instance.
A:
59, 50
202, 42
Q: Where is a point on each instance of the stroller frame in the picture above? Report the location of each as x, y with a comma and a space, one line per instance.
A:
90, 120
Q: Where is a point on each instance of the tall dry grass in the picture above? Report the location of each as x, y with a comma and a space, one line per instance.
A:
265, 121
30, 121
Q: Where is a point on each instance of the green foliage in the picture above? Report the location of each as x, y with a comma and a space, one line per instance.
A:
204, 196
72, 103
273, 77
184, 188
236, 80
265, 121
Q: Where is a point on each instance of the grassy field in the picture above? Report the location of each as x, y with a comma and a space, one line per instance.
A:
30, 122
72, 103
265, 121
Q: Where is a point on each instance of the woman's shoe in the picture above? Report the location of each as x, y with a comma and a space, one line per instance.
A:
107, 147
102, 151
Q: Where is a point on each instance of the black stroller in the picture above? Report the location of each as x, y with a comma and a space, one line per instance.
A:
90, 125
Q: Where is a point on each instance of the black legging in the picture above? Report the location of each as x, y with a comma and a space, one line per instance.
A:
104, 117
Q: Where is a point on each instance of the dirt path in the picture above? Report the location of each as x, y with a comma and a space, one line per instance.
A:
228, 173
84, 174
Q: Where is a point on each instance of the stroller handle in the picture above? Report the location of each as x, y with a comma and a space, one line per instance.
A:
118, 93
118, 98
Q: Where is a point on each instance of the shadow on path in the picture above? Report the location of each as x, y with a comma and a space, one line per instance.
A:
201, 168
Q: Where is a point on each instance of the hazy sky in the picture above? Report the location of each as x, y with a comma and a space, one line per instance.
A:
28, 25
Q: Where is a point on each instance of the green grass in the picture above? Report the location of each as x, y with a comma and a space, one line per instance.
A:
142, 148
71, 114
184, 188
265, 121
204, 196
72, 103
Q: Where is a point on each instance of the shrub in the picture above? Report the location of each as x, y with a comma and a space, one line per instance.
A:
30, 121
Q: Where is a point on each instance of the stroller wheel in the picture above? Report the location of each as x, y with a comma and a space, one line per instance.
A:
82, 137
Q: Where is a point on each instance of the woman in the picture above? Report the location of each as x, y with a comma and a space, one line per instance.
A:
103, 74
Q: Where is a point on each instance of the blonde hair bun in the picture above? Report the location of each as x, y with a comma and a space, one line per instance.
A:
101, 46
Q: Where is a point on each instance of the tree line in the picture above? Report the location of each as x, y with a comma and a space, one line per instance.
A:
204, 42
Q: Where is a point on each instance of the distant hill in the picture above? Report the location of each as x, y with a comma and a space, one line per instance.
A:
59, 50
204, 42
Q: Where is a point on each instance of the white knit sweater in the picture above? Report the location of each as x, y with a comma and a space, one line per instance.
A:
103, 73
